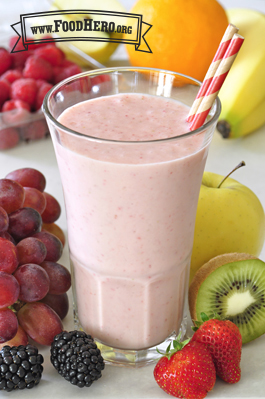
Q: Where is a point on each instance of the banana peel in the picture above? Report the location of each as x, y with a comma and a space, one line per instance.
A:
243, 92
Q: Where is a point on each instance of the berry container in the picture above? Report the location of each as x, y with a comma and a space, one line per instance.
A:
20, 125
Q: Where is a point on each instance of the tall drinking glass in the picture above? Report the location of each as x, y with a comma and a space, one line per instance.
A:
130, 204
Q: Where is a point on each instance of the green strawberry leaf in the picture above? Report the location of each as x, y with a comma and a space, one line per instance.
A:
204, 317
168, 348
177, 346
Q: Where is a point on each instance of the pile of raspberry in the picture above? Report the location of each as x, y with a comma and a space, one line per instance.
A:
25, 78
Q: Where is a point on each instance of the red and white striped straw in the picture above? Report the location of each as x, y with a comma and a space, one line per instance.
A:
226, 39
217, 82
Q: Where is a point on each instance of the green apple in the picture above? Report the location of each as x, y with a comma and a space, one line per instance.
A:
101, 51
229, 218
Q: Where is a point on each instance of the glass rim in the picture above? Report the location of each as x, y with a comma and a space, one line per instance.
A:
101, 71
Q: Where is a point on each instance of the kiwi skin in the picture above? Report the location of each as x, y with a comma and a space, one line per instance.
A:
206, 270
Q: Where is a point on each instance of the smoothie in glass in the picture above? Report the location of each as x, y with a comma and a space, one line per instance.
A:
131, 173
130, 217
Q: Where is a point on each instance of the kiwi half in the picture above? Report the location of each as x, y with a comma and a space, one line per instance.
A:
233, 287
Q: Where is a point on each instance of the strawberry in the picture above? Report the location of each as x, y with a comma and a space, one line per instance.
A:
224, 341
187, 371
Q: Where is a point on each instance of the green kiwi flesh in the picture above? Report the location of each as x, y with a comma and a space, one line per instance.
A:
236, 291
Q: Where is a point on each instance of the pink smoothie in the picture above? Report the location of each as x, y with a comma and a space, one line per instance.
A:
130, 210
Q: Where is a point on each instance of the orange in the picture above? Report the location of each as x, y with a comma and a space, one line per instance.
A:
184, 37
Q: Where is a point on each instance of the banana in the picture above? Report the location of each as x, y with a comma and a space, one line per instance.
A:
243, 92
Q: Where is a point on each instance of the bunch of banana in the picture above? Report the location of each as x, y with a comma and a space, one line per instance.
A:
243, 92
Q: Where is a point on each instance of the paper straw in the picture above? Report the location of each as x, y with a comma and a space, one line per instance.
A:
217, 82
226, 39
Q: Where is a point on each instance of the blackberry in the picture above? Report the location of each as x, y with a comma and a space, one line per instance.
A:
77, 358
20, 367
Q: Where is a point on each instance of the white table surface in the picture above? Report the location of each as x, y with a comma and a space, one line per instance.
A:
223, 156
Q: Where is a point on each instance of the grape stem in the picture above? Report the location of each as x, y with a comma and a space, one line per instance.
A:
17, 305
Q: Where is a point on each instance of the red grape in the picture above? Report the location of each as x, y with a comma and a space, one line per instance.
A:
9, 290
3, 220
12, 195
20, 338
53, 245
8, 256
34, 282
54, 229
40, 322
52, 211
31, 250
34, 199
24, 223
8, 325
59, 303
60, 277
8, 237
28, 177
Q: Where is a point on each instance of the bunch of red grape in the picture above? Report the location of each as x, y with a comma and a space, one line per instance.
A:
33, 286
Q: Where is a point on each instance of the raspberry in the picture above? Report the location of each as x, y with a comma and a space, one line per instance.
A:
13, 41
34, 130
66, 73
41, 44
39, 83
43, 90
18, 59
51, 54
96, 80
5, 60
9, 138
67, 63
4, 91
49, 37
12, 75
37, 68
16, 117
56, 71
25, 90
64, 64
14, 104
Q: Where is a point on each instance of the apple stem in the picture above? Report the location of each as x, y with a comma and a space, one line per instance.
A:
242, 163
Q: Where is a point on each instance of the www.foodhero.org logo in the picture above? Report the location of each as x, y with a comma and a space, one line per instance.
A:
83, 25
87, 25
